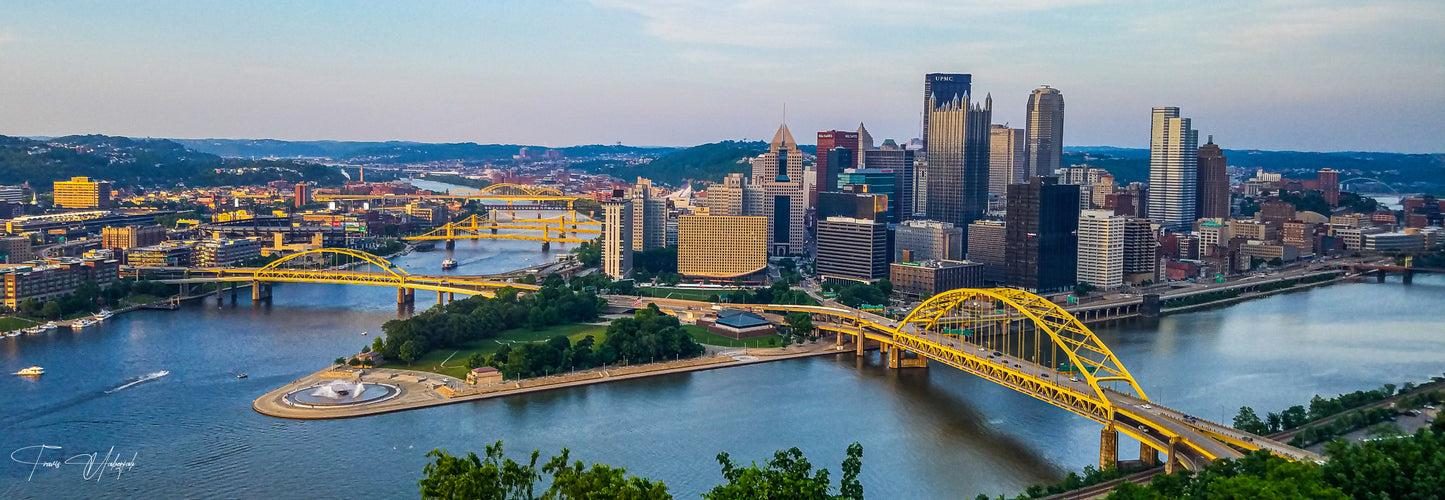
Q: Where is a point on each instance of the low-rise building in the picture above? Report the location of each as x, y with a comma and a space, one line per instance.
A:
167, 254
225, 253
738, 324
15, 249
1412, 241
932, 277
485, 375
124, 237
1268, 251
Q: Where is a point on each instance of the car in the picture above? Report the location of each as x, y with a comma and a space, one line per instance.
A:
996, 353
1044, 375
1074, 379
1016, 365
983, 349
1147, 406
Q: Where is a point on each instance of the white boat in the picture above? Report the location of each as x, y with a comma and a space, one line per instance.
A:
364, 333
449, 264
15, 333
34, 371
34, 330
103, 315
48, 326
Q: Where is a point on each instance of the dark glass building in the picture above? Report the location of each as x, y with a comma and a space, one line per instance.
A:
1212, 193
956, 142
1041, 239
853, 205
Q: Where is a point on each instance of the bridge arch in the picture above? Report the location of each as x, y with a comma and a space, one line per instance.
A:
1007, 317
519, 189
383, 264
1371, 180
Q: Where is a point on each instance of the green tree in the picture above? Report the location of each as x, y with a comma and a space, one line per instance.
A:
353, 362
339, 361
409, 352
787, 475
1248, 421
1083, 288
473, 477
51, 310
800, 324
601, 481
476, 360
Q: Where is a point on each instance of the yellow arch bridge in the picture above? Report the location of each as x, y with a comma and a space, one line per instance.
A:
475, 227
1009, 337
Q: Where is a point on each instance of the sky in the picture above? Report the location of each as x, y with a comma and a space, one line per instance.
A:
1280, 75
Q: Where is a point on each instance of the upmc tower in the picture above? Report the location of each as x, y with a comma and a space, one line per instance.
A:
955, 140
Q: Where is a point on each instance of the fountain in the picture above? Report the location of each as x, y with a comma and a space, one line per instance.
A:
342, 393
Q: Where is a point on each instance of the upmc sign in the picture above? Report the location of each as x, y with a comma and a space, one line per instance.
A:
943, 78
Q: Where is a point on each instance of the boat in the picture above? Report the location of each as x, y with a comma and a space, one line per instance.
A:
49, 326
34, 330
103, 315
240, 375
15, 333
449, 264
34, 371
364, 333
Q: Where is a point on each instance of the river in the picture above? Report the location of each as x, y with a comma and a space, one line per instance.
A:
933, 433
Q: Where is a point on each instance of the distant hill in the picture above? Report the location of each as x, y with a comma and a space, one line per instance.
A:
1404, 172
272, 148
141, 162
710, 162
393, 151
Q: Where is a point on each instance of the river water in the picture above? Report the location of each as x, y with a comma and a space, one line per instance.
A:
933, 433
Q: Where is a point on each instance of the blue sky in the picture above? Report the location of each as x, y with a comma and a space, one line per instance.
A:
1322, 76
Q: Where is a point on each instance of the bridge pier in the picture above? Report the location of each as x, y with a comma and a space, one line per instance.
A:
451, 244
1409, 276
1108, 447
233, 292
1149, 456
1380, 276
441, 297
405, 295
1171, 465
546, 245
259, 292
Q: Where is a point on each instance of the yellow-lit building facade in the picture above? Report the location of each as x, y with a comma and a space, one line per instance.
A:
81, 192
721, 246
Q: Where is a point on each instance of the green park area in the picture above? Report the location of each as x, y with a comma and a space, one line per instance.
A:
453, 362
12, 323
702, 336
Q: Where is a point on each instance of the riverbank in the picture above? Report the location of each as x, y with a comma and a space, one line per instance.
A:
1342, 278
426, 389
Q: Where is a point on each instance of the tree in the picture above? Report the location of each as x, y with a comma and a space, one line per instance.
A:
800, 324
1083, 288
365, 349
1248, 421
378, 345
493, 477
787, 475
51, 310
339, 361
600, 481
353, 362
409, 352
475, 361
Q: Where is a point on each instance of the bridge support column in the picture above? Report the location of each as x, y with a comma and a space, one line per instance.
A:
441, 296
893, 355
255, 291
451, 244
451, 296
1379, 276
1149, 456
858, 342
1409, 276
233, 292
1171, 464
546, 245
1108, 447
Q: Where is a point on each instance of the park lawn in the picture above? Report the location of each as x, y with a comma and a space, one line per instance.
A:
681, 293
139, 299
702, 336
11, 323
456, 367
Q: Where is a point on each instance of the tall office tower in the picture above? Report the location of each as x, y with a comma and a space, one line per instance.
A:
649, 217
865, 139
303, 194
891, 157
721, 246
617, 238
852, 249
1329, 179
955, 138
1102, 189
81, 192
1212, 191
1173, 170
1044, 122
828, 170
987, 241
779, 175
920, 186
920, 240
1141, 251
1005, 159
1101, 249
1041, 244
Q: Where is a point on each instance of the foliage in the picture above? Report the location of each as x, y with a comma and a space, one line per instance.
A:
857, 294
778, 293
647, 336
141, 162
656, 261
705, 162
800, 324
788, 475
589, 253
1072, 481
1256, 475
478, 317
458, 180
1083, 288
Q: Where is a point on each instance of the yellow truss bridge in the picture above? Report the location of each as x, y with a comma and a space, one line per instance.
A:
1026, 343
1009, 337
475, 227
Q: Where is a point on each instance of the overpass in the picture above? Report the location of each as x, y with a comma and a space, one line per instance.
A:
1008, 337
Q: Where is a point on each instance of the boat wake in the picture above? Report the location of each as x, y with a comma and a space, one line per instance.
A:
145, 378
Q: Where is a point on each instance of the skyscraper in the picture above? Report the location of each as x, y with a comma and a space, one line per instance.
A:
617, 238
828, 170
1040, 235
1173, 170
852, 249
1329, 179
779, 175
1101, 249
920, 240
1212, 197
955, 138
649, 217
1044, 122
1005, 159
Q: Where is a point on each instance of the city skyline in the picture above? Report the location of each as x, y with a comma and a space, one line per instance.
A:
1259, 76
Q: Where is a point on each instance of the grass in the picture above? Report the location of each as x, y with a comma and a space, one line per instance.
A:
10, 323
457, 366
139, 299
702, 336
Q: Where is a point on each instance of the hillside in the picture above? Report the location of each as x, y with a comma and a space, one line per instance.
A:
1404, 172
140, 162
272, 148
709, 162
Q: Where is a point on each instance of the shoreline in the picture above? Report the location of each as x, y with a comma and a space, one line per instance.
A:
1343, 278
417, 394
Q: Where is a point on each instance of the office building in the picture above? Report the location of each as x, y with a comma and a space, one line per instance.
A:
428, 214
955, 138
1173, 170
778, 174
932, 277
12, 194
225, 252
1101, 249
920, 240
852, 249
1103, 188
830, 163
1040, 240
1005, 159
649, 217
15, 249
1044, 128
853, 205
165, 254
124, 237
987, 242
1141, 251
1212, 191
303, 194
1329, 180
617, 238
54, 278
81, 192
901, 162
873, 181
721, 246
